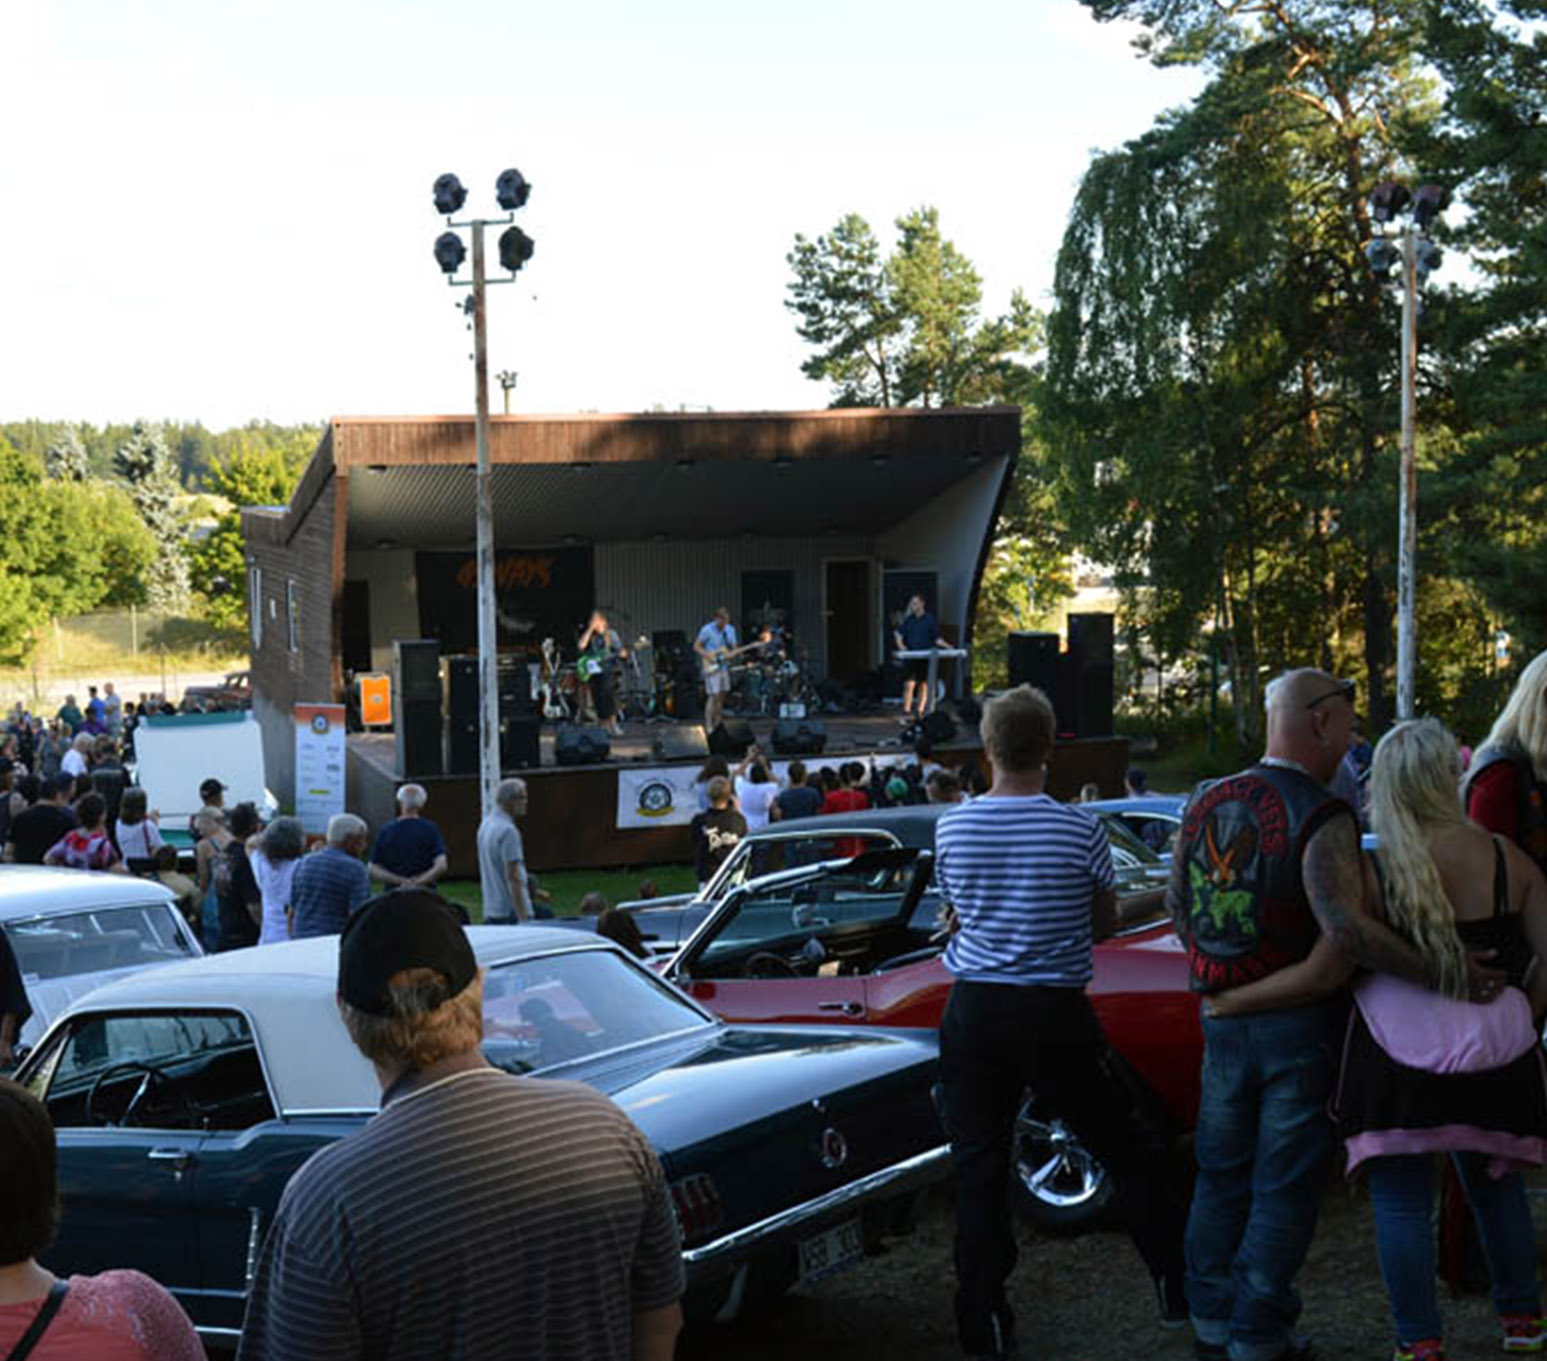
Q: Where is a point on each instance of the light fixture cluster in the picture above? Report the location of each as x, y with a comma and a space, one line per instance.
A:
511, 191
1389, 202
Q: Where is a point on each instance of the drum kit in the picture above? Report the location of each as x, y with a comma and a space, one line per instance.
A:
772, 684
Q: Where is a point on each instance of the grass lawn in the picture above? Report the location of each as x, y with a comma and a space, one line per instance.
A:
568, 887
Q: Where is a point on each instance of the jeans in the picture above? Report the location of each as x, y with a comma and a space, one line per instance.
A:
1263, 1142
996, 1040
1402, 1191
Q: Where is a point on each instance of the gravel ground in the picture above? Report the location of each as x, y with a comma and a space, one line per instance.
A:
1074, 1299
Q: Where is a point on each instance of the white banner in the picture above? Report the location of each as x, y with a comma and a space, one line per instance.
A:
666, 796
319, 764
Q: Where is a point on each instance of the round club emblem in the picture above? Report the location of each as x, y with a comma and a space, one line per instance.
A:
835, 1149
319, 723
655, 799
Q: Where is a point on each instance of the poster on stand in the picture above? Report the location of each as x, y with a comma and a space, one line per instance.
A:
319, 765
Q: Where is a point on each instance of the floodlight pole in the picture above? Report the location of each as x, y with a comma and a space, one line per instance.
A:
488, 639
1407, 535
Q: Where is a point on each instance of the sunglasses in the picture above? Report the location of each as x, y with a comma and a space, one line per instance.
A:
1345, 688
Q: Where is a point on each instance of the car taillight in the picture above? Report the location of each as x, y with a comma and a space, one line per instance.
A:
699, 1211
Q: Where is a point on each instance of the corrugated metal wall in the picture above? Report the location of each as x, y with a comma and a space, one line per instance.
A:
676, 585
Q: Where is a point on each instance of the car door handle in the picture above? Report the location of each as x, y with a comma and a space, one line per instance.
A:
180, 1158
847, 1008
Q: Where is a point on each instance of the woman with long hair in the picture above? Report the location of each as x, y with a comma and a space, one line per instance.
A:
1506, 780
137, 833
1426, 1071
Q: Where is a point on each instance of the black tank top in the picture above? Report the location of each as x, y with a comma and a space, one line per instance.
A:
1503, 932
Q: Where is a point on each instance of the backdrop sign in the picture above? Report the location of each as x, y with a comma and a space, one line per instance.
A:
666, 796
538, 593
319, 764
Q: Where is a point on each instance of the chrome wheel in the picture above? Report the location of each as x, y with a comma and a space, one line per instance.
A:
1053, 1168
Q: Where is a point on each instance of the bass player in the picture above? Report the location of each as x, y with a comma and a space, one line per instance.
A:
715, 644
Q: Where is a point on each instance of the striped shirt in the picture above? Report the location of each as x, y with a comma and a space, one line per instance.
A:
1021, 873
480, 1215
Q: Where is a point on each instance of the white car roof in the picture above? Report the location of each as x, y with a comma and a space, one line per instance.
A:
286, 991
43, 890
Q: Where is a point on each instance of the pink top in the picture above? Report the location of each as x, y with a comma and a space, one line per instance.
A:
117, 1316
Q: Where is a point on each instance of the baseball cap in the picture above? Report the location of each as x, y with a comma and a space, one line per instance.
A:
211, 789
405, 929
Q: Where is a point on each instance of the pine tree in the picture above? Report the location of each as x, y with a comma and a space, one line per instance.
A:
145, 464
65, 457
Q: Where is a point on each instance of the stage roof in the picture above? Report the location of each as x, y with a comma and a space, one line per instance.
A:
605, 478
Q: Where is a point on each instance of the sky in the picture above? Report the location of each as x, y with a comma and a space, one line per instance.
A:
219, 210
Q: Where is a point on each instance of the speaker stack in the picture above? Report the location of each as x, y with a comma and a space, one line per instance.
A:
1090, 673
416, 669
520, 721
1033, 660
462, 705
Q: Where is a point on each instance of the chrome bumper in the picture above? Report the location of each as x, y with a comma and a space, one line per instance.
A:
916, 1171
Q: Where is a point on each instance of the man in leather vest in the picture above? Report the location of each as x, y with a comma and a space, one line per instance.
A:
1267, 862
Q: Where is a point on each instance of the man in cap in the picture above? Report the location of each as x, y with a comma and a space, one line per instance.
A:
478, 1214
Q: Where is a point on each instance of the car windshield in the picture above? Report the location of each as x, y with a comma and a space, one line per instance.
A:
557, 1008
96, 940
796, 911
762, 855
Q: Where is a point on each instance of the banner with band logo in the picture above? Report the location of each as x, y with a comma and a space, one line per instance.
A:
667, 796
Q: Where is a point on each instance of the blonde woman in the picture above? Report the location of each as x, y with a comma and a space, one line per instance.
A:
1506, 782
1428, 1072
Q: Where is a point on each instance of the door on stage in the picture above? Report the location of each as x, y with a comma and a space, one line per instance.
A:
849, 610
354, 636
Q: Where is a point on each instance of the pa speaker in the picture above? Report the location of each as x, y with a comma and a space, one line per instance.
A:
800, 737
1090, 656
520, 743
1033, 660
685, 742
417, 662
731, 738
418, 739
575, 746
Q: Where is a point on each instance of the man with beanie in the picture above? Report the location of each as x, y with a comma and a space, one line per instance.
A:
478, 1214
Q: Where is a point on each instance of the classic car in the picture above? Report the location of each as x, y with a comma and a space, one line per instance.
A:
233, 691
1155, 819
855, 942
72, 931
184, 1099
666, 923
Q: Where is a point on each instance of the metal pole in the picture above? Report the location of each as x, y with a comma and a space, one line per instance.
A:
488, 677
1407, 541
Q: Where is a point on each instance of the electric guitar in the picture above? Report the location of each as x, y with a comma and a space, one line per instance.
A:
719, 660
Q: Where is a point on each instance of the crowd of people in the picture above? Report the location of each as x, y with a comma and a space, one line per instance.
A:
1389, 1001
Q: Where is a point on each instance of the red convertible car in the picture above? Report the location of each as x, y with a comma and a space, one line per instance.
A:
854, 943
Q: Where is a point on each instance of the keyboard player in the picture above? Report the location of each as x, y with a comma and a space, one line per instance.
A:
919, 633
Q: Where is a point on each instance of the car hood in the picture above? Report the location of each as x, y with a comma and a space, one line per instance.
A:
728, 1077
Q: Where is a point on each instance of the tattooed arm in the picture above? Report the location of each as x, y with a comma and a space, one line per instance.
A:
1335, 884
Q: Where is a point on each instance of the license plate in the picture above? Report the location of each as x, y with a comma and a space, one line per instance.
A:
825, 1253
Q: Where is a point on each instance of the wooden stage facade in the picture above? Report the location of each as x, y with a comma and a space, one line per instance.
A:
573, 817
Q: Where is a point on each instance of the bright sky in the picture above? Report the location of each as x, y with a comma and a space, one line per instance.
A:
220, 209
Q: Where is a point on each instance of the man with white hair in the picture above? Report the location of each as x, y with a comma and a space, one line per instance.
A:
330, 884
409, 851
1266, 864
502, 859
76, 760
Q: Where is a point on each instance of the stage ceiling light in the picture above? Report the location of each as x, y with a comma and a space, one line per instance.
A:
512, 190
1387, 200
449, 252
1428, 203
515, 248
450, 195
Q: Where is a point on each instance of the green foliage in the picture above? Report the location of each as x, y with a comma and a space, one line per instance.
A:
905, 330
68, 547
252, 472
65, 457
145, 464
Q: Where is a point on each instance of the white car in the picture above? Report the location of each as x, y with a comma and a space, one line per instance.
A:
73, 930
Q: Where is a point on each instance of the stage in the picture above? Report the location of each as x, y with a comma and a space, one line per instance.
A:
573, 820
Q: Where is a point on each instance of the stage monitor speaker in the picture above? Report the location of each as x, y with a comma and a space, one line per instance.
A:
419, 739
731, 738
576, 746
1033, 660
800, 737
937, 727
680, 742
1091, 664
520, 742
417, 663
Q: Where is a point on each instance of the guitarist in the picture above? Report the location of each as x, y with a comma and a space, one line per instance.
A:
599, 649
715, 642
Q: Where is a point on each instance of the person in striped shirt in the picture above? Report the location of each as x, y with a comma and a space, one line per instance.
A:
1030, 888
